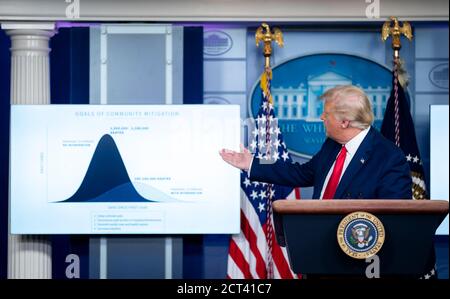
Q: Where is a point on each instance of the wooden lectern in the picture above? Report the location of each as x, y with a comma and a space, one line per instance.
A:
308, 229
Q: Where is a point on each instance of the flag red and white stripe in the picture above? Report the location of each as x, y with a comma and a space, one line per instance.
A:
247, 257
255, 253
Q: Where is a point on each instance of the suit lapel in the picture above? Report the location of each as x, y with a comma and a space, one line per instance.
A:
360, 159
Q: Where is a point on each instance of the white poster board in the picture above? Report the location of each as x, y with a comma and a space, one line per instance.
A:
439, 156
123, 169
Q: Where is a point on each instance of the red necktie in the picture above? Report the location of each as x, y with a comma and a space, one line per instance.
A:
336, 175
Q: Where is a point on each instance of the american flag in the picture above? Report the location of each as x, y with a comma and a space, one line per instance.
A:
255, 253
398, 126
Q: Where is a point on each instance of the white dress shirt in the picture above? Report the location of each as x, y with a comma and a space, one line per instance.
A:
351, 146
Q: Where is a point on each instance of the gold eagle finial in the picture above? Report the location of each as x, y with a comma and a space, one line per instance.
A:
396, 31
264, 34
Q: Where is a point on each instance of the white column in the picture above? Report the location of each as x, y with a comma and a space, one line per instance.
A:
288, 105
279, 104
282, 105
29, 256
379, 106
300, 100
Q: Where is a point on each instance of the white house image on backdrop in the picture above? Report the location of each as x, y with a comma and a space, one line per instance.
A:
303, 102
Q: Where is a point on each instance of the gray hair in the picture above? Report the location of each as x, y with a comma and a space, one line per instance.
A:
352, 104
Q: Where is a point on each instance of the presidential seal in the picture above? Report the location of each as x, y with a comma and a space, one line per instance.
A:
360, 235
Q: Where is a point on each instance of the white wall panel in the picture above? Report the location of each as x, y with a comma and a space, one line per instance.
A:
224, 76
431, 75
232, 38
433, 42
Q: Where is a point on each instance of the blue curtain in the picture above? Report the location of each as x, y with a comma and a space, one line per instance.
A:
69, 84
5, 66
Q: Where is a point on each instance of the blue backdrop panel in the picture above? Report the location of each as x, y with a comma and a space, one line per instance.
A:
193, 254
441, 247
193, 65
193, 257
5, 62
69, 82
69, 66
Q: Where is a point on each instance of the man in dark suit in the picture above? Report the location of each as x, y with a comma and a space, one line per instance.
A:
355, 161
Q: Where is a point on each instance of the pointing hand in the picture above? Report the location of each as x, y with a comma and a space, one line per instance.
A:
240, 160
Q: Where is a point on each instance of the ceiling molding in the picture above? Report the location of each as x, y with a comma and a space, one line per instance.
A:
222, 10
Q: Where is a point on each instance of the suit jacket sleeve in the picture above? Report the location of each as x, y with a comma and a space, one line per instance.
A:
287, 174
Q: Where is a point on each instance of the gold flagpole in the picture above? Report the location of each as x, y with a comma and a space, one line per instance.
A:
395, 31
264, 34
